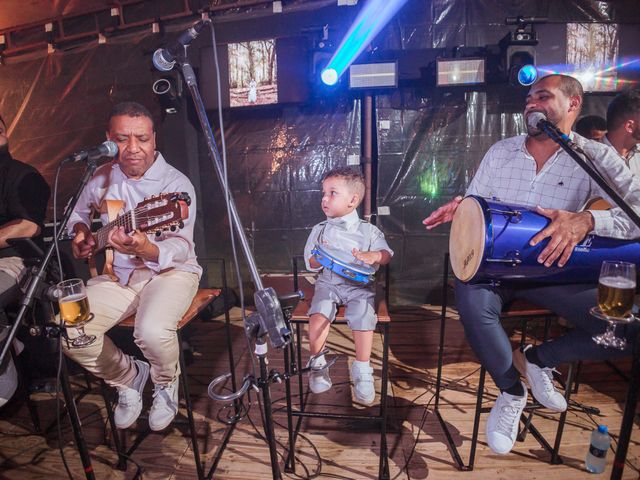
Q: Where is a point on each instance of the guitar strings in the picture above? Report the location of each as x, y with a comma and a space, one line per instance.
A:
125, 220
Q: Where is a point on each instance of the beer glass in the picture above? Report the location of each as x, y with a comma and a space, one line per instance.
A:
616, 290
74, 309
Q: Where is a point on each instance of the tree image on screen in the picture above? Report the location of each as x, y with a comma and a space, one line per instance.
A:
592, 50
252, 73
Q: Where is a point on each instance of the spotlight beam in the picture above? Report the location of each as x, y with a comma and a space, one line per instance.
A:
371, 19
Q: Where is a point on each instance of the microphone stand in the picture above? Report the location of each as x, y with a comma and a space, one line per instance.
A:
269, 318
634, 383
35, 289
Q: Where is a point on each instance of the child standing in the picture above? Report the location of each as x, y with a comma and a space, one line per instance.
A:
342, 191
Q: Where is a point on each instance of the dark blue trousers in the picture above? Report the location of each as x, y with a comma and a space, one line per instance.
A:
480, 305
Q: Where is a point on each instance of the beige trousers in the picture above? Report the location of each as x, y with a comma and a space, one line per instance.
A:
158, 301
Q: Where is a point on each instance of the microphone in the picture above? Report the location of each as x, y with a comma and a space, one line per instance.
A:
539, 120
106, 149
165, 58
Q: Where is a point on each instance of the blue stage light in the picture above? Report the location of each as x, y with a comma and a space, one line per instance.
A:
371, 19
527, 75
329, 76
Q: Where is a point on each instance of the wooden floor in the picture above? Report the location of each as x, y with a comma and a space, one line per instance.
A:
326, 449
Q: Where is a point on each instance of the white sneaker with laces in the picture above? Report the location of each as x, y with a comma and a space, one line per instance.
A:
502, 424
165, 405
130, 398
541, 383
319, 380
363, 384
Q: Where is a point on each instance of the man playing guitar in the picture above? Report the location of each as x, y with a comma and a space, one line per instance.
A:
154, 276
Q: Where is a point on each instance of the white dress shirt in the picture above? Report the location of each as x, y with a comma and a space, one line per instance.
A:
176, 249
345, 233
632, 159
508, 173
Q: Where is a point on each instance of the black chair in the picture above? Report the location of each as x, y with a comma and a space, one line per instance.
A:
293, 362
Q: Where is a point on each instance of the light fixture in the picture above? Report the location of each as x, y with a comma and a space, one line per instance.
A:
527, 75
168, 94
370, 21
460, 71
373, 75
329, 76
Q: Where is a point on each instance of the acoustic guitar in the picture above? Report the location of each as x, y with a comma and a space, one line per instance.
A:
155, 214
597, 204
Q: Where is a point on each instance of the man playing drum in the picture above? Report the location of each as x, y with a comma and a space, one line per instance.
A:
532, 170
342, 191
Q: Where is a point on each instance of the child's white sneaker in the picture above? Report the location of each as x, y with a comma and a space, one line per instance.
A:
319, 379
363, 384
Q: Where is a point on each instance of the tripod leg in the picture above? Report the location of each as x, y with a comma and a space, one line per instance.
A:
268, 418
75, 423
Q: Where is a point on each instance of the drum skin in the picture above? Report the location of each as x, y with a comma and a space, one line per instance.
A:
339, 263
496, 247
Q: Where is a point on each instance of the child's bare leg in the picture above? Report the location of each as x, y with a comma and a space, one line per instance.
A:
363, 340
319, 327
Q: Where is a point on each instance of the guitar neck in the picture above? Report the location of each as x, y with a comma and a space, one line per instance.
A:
102, 235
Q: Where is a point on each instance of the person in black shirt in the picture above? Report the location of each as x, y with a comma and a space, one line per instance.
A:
23, 203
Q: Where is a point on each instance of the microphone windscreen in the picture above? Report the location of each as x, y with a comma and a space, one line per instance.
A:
534, 118
111, 148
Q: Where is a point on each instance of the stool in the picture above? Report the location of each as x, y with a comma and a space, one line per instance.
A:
299, 316
517, 309
203, 297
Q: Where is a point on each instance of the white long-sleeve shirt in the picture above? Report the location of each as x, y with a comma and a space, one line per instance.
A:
508, 173
176, 249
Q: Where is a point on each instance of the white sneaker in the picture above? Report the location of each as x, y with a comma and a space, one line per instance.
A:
541, 382
165, 405
319, 380
363, 386
502, 424
130, 398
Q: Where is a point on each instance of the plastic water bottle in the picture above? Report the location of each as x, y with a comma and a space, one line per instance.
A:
596, 460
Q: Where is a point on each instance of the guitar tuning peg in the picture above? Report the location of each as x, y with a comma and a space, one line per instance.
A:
173, 228
181, 224
158, 233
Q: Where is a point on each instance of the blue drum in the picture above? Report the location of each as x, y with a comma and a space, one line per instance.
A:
344, 264
490, 241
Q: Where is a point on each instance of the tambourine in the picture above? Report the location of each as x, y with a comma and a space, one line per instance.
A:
341, 263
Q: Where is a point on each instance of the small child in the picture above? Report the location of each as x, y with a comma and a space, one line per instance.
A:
342, 191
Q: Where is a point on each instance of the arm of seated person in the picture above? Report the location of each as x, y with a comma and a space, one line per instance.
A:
19, 228
374, 257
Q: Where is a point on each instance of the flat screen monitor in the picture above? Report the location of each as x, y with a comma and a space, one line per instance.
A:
593, 55
256, 73
253, 73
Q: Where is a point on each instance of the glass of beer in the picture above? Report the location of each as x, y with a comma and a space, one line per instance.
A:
74, 309
616, 290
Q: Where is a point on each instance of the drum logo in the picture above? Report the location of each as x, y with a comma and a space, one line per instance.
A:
585, 246
468, 258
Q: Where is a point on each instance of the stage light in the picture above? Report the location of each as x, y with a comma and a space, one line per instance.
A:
371, 19
373, 75
463, 71
169, 93
527, 75
329, 76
